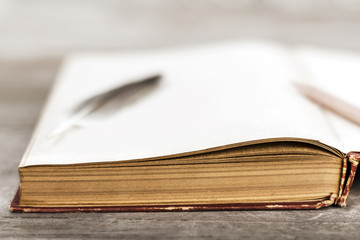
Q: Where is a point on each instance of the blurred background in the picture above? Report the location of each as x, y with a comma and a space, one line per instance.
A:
50, 29
36, 34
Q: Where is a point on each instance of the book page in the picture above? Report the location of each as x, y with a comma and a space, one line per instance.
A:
338, 73
209, 96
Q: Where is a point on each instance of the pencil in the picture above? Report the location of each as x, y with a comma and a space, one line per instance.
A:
330, 102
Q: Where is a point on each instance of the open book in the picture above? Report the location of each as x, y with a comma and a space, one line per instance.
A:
224, 128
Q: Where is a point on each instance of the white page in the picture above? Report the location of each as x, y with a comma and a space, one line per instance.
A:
336, 72
209, 96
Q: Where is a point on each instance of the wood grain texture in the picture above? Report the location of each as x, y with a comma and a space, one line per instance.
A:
30, 56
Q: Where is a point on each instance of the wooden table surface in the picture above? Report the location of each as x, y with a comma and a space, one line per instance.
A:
34, 37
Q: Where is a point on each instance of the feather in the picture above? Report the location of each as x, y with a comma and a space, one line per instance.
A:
104, 104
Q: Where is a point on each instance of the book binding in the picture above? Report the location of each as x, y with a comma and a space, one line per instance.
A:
353, 158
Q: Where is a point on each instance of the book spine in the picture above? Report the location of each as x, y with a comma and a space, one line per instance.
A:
342, 180
353, 158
